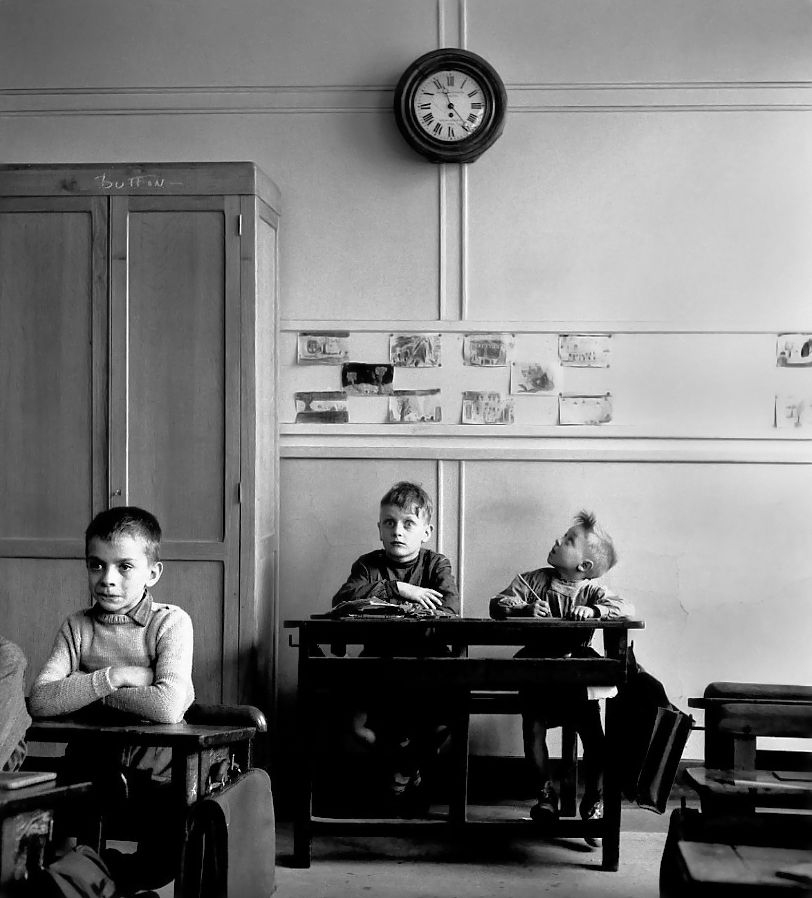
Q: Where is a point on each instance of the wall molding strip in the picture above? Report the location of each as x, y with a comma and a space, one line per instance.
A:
442, 237
731, 327
567, 448
742, 96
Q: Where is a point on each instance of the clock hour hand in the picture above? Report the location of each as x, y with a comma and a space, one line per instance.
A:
459, 116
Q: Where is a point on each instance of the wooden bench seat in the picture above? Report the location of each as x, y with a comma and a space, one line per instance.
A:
736, 714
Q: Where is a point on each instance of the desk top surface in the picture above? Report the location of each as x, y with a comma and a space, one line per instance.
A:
181, 735
43, 795
464, 624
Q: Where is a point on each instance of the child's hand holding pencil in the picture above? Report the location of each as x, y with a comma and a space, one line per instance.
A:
541, 607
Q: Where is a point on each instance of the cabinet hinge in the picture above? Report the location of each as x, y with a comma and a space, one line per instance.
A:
239, 225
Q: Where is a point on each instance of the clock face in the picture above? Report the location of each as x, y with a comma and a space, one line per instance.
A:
449, 105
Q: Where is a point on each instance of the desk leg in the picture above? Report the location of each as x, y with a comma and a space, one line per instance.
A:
186, 790
458, 801
303, 779
611, 792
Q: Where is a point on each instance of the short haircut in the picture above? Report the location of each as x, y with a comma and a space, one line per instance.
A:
600, 543
127, 520
410, 497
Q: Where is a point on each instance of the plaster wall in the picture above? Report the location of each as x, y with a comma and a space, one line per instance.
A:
653, 182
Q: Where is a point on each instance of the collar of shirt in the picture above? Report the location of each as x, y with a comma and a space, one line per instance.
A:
143, 610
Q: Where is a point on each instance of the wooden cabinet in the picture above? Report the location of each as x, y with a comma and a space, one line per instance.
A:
137, 366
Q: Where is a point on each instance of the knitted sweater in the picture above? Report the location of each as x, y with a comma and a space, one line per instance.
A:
91, 642
14, 719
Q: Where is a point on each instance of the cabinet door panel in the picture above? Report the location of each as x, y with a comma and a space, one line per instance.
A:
49, 270
176, 384
36, 595
175, 402
198, 588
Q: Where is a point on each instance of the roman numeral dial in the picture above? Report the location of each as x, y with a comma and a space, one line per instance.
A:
450, 105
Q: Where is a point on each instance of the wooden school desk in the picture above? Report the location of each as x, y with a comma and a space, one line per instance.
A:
321, 673
198, 751
26, 826
711, 870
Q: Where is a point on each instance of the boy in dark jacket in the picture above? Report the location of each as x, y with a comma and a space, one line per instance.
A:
407, 727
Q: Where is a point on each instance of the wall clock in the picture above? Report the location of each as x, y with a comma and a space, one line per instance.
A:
450, 105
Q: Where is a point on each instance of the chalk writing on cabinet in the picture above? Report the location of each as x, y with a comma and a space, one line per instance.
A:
134, 182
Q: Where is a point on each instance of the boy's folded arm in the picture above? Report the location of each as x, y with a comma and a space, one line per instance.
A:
361, 585
443, 581
502, 606
515, 600
171, 692
60, 688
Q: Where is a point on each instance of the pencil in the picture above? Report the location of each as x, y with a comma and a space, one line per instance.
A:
535, 594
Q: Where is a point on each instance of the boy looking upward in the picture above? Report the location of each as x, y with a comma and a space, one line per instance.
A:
127, 655
566, 589
406, 728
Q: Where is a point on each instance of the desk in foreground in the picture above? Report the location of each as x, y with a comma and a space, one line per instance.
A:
196, 748
198, 751
26, 824
737, 871
319, 673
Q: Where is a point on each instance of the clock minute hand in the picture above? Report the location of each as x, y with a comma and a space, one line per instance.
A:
459, 116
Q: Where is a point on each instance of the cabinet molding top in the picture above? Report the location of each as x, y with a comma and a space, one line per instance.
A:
139, 179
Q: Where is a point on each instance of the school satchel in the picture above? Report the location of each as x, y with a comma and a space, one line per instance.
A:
230, 846
79, 873
660, 764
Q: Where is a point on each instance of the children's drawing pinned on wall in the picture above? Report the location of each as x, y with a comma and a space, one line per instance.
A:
584, 350
793, 351
415, 407
486, 408
533, 377
327, 407
486, 350
363, 379
793, 411
585, 409
323, 348
415, 350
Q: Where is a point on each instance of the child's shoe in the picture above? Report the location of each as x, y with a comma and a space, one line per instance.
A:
407, 797
545, 810
591, 808
415, 801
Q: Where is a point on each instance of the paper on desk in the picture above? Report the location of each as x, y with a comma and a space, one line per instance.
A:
20, 779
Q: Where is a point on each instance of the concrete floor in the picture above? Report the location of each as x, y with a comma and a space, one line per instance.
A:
359, 867
373, 867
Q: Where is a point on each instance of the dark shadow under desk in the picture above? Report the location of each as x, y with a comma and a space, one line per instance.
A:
198, 750
321, 673
26, 827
